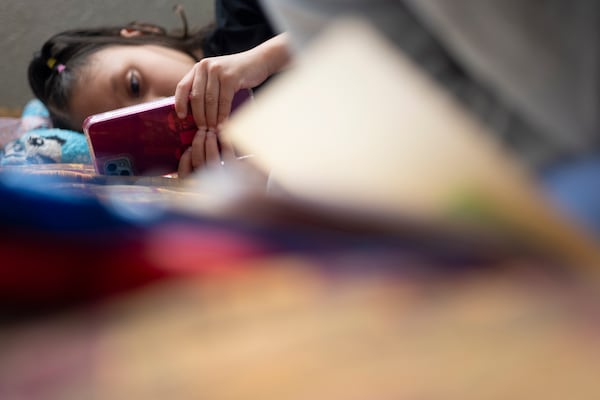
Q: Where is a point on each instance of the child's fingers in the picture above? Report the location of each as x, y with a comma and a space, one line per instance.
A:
185, 164
226, 94
198, 156
182, 94
198, 94
212, 147
211, 99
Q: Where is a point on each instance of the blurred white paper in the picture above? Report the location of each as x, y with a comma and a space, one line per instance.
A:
355, 124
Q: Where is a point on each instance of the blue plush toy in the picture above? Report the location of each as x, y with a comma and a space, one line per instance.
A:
41, 144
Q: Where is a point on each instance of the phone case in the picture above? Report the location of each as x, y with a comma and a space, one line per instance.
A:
143, 139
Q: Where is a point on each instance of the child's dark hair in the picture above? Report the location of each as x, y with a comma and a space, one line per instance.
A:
53, 70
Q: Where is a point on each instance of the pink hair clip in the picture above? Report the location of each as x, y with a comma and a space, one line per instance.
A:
60, 68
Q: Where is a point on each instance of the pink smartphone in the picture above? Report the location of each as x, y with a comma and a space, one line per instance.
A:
143, 139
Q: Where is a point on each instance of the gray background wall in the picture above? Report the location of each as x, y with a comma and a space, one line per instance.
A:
26, 24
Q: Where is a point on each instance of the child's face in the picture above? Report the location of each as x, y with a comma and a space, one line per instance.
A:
120, 76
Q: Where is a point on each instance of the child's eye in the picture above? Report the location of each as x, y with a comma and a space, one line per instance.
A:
134, 84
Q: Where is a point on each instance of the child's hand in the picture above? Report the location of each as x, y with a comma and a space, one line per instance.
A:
211, 84
206, 149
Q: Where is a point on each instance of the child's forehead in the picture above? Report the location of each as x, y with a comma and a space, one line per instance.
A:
112, 53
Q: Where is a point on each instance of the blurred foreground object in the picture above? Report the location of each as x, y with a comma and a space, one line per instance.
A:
366, 130
287, 329
529, 71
